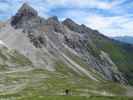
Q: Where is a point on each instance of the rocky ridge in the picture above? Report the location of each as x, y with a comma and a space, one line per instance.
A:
52, 35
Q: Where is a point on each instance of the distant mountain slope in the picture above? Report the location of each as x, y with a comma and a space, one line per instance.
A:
126, 39
120, 53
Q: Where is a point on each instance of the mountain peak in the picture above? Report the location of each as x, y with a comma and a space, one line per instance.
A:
25, 5
72, 25
69, 21
25, 13
27, 10
53, 18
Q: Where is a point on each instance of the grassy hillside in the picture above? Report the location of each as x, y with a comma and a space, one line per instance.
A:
121, 54
65, 98
37, 82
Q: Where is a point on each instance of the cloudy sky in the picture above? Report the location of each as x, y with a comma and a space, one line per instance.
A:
110, 17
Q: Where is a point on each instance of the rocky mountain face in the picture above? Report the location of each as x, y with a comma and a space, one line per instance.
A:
64, 47
60, 34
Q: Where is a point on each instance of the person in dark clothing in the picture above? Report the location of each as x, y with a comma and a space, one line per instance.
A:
67, 92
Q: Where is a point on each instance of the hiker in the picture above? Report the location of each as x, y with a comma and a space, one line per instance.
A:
67, 92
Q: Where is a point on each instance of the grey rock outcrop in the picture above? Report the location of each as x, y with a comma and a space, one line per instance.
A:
26, 18
25, 13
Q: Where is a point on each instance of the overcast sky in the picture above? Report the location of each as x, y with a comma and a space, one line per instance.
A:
110, 17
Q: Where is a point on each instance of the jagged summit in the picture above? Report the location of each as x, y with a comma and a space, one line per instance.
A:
54, 18
25, 6
25, 13
74, 26
68, 20
27, 10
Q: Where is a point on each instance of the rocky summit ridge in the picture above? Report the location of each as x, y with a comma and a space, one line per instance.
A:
64, 33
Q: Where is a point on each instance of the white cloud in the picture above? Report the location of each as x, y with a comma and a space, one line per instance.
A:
85, 3
97, 22
111, 26
56, 2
